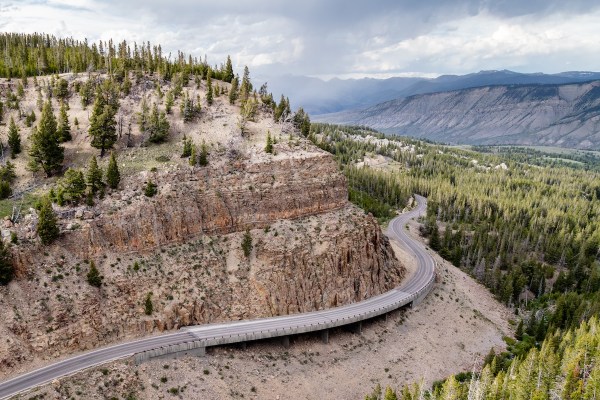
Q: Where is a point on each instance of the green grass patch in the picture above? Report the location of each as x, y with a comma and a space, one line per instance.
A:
29, 201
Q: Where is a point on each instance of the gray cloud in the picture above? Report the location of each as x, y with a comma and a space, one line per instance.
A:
336, 37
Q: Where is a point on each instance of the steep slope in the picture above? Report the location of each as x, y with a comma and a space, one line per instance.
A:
311, 250
553, 115
182, 248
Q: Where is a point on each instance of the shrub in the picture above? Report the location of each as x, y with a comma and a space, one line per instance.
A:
151, 189
93, 276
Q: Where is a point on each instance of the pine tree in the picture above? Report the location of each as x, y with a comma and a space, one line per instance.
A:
113, 177
203, 159
519, 331
85, 92
189, 111
187, 147
94, 177
61, 88
157, 126
126, 85
163, 127
64, 129
247, 243
302, 122
71, 187
193, 157
228, 73
233, 92
20, 90
40, 100
47, 228
389, 394
14, 139
93, 276
450, 389
45, 148
280, 109
169, 101
5, 190
434, 239
103, 125
143, 117
246, 86
148, 307
7, 270
209, 88
269, 146
30, 119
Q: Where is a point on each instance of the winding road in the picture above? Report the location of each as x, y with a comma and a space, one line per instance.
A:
202, 336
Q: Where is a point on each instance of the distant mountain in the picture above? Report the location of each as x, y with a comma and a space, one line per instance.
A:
447, 83
319, 97
565, 115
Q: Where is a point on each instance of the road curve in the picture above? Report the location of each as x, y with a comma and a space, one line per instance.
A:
411, 291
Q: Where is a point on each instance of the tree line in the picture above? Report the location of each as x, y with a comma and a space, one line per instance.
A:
529, 231
39, 54
566, 366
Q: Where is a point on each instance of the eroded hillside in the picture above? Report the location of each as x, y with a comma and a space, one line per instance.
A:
182, 248
549, 115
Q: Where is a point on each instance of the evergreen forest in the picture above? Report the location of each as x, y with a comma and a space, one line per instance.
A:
523, 222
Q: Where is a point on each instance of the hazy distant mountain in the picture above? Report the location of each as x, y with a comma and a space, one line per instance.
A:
566, 115
447, 83
320, 97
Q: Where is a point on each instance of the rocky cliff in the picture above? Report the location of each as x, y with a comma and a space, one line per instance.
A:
549, 115
221, 198
311, 250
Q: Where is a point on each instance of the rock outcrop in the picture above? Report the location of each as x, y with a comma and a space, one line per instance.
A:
311, 250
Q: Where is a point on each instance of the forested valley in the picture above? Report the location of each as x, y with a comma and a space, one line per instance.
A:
523, 222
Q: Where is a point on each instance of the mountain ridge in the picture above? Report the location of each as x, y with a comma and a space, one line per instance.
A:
553, 115
319, 97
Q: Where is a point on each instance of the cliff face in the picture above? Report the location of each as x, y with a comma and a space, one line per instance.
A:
550, 115
311, 250
219, 199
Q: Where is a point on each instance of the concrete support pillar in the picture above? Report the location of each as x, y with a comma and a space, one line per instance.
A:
200, 352
356, 328
285, 341
325, 336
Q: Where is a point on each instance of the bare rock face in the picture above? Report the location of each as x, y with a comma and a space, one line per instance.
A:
211, 200
311, 250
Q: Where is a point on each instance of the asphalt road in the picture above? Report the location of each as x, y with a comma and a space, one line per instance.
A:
233, 332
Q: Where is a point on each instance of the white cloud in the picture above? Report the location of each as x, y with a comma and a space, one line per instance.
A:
335, 38
486, 42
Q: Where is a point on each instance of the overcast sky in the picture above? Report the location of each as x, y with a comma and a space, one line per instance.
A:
343, 38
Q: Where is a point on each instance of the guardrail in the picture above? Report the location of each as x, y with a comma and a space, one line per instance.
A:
208, 336
198, 345
194, 340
